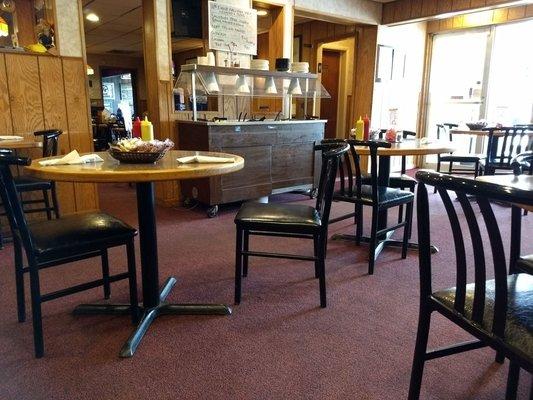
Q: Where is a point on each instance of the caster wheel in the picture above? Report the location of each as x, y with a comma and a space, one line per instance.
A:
212, 212
313, 193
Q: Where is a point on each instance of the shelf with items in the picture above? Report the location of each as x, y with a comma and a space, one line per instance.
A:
27, 26
201, 81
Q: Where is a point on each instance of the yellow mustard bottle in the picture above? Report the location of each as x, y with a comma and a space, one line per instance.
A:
359, 129
147, 130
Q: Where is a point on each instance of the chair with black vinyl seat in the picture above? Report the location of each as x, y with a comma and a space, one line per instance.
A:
497, 312
503, 144
292, 221
354, 189
50, 243
402, 180
26, 184
444, 131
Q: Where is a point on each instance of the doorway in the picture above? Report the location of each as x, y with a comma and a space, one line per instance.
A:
119, 92
330, 79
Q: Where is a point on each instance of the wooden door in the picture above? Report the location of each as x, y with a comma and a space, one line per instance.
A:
330, 80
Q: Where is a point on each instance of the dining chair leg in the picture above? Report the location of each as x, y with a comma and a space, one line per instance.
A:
38, 340
438, 170
476, 168
238, 265
417, 370
132, 280
19, 279
321, 272
359, 226
512, 381
407, 228
55, 203
355, 211
245, 257
400, 211
450, 167
46, 202
324, 239
105, 273
316, 245
373, 241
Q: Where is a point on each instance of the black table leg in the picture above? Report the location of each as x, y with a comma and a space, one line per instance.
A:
384, 240
154, 299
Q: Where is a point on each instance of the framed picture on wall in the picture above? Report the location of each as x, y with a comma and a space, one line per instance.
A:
297, 48
384, 63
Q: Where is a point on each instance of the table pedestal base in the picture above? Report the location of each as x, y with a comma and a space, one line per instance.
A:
386, 241
150, 314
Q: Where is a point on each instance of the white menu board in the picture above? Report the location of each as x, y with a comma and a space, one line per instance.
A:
232, 28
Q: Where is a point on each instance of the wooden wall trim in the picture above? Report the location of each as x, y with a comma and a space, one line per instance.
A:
402, 11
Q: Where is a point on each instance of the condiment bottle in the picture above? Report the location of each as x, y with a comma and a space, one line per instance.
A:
359, 129
366, 129
147, 130
136, 129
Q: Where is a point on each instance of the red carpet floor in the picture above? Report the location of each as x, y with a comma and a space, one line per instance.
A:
278, 344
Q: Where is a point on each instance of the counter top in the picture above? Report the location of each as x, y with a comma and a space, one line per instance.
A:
266, 122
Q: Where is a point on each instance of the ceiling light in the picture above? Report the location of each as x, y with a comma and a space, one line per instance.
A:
92, 17
262, 13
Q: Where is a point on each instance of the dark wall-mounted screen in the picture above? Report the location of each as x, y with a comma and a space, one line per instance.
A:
187, 18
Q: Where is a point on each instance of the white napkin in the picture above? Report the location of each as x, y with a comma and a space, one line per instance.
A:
73, 158
205, 159
11, 137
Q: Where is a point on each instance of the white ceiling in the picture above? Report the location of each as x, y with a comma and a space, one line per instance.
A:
119, 30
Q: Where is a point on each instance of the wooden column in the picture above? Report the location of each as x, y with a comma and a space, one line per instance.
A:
366, 46
158, 72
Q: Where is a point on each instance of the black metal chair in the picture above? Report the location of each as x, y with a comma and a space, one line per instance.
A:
499, 311
51, 243
457, 157
402, 180
25, 184
354, 189
503, 144
291, 220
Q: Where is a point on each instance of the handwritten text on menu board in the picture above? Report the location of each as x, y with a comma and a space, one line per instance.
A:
232, 28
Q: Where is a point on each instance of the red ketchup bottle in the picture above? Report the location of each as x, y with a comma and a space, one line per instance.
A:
136, 129
366, 128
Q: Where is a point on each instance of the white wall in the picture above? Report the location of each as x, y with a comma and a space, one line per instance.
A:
403, 91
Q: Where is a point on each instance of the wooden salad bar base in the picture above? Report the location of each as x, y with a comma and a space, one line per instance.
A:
278, 157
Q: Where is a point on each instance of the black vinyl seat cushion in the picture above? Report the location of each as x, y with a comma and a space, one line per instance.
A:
388, 197
77, 234
395, 180
29, 184
278, 217
402, 181
525, 264
519, 320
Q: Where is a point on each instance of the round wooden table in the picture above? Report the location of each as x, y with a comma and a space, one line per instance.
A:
144, 175
408, 147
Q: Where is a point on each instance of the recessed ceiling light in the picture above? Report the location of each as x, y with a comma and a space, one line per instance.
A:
262, 13
92, 17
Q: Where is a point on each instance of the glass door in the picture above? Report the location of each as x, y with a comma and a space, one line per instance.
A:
510, 84
459, 65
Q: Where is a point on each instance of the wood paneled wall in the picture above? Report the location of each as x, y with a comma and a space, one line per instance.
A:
45, 92
481, 18
316, 32
405, 10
